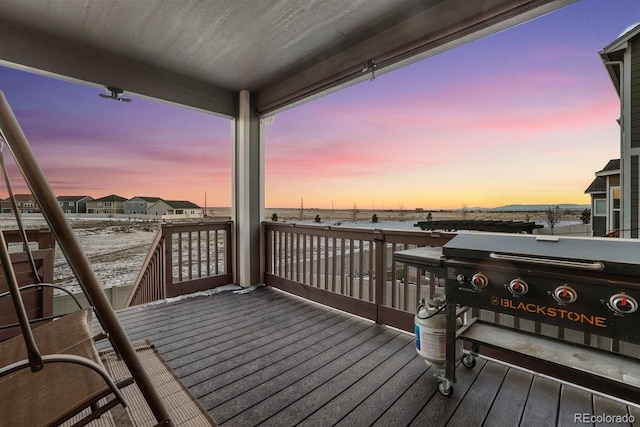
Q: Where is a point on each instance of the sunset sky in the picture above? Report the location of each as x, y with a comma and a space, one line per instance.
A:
523, 116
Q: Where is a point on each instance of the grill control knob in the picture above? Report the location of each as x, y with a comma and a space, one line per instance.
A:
565, 294
623, 303
479, 281
518, 287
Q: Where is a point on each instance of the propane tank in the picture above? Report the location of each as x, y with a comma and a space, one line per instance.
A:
431, 333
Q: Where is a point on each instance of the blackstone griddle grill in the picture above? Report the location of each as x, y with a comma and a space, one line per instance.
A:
591, 285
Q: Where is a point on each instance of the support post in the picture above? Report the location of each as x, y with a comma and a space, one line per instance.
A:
248, 192
44, 196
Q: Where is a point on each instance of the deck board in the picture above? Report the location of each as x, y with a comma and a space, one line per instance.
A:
291, 385
508, 406
475, 405
269, 358
440, 409
541, 408
573, 401
350, 399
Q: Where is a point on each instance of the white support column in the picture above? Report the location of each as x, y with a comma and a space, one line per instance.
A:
625, 148
247, 192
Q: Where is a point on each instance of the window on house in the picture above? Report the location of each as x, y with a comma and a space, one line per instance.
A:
600, 207
108, 204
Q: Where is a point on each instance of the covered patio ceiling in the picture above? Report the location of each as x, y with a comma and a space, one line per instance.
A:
200, 54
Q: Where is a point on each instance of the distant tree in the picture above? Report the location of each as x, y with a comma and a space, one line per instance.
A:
527, 218
585, 216
317, 218
274, 217
553, 215
354, 211
429, 216
374, 218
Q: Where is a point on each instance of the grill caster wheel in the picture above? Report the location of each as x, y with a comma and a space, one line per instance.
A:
445, 388
469, 361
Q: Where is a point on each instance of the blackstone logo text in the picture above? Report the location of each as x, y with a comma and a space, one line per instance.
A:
555, 312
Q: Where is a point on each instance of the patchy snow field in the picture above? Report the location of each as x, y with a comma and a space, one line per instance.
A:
116, 249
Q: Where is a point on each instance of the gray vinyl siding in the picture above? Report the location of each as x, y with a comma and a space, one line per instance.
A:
598, 223
635, 93
634, 196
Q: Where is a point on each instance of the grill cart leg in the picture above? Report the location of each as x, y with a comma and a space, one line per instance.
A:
445, 386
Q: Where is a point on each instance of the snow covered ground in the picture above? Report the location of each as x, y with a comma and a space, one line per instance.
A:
116, 249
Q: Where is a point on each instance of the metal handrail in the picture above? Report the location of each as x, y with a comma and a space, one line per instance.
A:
590, 266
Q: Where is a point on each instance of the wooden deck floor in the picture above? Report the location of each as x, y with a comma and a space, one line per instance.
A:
268, 358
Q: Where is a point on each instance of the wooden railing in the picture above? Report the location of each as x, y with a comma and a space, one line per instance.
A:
184, 258
351, 269
38, 301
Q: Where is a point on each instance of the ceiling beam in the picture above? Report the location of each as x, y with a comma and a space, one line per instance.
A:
433, 31
44, 54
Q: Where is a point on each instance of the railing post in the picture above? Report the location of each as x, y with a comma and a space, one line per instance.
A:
228, 262
46, 239
268, 248
167, 232
380, 270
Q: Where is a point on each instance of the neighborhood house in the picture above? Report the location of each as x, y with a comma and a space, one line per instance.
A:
109, 205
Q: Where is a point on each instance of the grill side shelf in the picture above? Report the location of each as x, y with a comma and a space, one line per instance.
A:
598, 370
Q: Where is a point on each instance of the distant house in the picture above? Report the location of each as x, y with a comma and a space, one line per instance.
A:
605, 199
25, 202
74, 204
112, 204
139, 204
176, 208
621, 59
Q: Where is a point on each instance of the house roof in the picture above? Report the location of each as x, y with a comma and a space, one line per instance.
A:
615, 51
181, 204
147, 199
111, 198
598, 185
23, 198
72, 198
202, 53
611, 168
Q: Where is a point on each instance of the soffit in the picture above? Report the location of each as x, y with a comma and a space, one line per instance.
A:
202, 53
